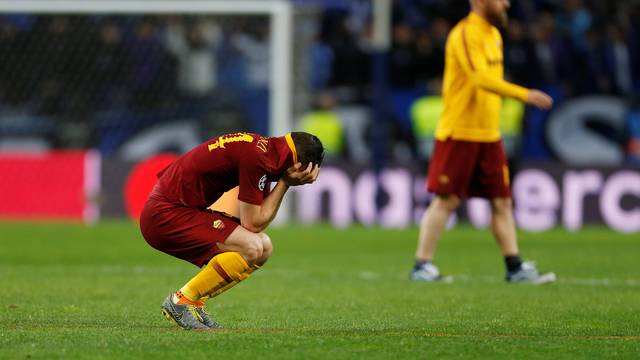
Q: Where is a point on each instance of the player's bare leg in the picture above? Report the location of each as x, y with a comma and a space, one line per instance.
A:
432, 225
255, 248
503, 227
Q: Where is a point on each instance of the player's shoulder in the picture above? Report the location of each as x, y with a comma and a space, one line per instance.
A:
255, 147
496, 33
223, 141
462, 31
458, 29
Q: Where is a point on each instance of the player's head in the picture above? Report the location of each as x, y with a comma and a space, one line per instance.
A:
308, 147
494, 11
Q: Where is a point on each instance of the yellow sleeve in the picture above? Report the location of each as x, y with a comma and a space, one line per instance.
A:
468, 50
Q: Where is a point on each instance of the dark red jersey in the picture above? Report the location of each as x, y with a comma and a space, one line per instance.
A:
201, 176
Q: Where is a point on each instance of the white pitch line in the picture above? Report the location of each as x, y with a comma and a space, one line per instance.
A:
561, 280
363, 275
371, 275
368, 275
602, 282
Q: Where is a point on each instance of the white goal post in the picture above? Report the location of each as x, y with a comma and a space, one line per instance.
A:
280, 13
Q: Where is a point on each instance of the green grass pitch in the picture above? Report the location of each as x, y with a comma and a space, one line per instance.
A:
94, 292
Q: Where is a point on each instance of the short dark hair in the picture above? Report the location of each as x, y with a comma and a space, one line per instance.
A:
308, 147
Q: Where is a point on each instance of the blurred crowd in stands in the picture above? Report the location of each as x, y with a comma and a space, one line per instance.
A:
569, 48
103, 79
93, 81
580, 46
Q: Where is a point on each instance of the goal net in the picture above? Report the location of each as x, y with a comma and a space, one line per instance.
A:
131, 79
94, 74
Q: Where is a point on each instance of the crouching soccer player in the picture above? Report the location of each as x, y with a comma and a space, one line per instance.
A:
176, 219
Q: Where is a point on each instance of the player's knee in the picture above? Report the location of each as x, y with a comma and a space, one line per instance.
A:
501, 205
267, 247
253, 250
448, 202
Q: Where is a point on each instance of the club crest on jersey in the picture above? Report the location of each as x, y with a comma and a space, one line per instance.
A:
262, 182
218, 225
231, 138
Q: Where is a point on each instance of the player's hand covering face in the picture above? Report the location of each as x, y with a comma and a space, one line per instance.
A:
296, 175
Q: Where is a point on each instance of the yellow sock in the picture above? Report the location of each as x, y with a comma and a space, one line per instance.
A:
229, 285
220, 274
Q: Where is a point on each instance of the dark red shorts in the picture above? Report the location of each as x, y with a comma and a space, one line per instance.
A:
469, 169
187, 233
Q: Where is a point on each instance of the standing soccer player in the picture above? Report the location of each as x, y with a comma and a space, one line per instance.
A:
176, 219
469, 159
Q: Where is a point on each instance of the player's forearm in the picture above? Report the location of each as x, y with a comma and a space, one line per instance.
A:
270, 206
272, 202
499, 86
